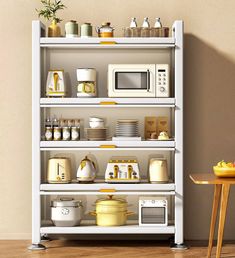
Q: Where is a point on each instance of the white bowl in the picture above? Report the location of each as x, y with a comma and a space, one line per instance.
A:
96, 119
96, 124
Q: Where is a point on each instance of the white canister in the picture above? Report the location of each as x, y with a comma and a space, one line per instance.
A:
66, 212
71, 29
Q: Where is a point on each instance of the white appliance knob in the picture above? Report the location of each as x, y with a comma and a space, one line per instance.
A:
65, 211
162, 89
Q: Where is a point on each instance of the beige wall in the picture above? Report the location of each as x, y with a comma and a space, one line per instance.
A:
209, 97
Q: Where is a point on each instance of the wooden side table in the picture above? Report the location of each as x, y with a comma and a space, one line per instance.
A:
221, 193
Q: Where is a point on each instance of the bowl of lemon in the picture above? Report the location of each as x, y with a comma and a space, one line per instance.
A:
224, 169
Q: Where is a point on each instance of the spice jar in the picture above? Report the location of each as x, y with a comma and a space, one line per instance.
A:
48, 133
75, 133
66, 133
57, 133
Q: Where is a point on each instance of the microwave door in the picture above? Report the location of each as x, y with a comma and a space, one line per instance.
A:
134, 83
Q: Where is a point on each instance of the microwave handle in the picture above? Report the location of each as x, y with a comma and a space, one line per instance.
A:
148, 80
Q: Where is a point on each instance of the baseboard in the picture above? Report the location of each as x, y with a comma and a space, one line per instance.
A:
15, 236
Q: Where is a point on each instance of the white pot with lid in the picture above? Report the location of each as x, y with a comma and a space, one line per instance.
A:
66, 212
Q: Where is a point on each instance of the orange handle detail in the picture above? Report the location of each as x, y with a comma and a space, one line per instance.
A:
107, 190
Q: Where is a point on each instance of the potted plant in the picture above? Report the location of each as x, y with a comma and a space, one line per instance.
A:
49, 12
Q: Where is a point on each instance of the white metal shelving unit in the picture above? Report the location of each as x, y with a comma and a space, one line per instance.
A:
40, 189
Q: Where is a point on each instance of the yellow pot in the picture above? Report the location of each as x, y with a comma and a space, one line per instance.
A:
111, 212
54, 30
111, 219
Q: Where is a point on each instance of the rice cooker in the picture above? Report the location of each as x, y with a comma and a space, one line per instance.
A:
66, 212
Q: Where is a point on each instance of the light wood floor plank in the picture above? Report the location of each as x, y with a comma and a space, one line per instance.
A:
108, 249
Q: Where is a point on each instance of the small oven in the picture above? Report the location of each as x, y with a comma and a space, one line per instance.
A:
153, 211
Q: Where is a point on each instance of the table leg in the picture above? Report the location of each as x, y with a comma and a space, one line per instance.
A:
223, 209
215, 206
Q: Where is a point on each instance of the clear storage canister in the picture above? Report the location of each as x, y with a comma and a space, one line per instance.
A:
75, 133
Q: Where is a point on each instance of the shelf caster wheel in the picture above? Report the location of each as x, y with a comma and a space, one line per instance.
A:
45, 238
179, 247
36, 247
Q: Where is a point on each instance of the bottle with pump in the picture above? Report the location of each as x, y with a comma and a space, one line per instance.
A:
133, 23
146, 23
158, 23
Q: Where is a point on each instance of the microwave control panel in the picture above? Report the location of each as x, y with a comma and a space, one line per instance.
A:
162, 81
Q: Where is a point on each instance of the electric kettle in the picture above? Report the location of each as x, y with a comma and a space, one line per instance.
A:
158, 170
86, 171
59, 170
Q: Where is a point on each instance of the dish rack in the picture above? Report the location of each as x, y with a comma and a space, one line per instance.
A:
44, 48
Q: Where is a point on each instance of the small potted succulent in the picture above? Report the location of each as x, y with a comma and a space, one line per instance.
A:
49, 12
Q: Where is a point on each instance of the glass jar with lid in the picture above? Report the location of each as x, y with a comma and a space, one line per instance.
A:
105, 31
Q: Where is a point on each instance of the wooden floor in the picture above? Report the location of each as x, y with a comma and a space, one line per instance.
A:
108, 249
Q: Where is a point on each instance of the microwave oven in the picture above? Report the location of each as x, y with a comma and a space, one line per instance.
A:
153, 211
139, 80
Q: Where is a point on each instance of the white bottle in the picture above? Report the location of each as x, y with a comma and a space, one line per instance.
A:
133, 23
158, 23
146, 23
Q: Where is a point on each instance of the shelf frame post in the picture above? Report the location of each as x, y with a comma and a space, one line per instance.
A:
178, 29
37, 27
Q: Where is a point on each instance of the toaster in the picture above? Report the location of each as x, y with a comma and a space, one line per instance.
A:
122, 170
59, 170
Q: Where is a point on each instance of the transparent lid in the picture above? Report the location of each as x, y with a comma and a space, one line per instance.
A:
106, 27
66, 202
109, 201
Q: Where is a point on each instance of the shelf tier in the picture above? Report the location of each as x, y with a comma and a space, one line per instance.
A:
93, 229
108, 145
107, 102
95, 42
108, 188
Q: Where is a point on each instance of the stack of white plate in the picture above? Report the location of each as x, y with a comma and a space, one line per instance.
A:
127, 128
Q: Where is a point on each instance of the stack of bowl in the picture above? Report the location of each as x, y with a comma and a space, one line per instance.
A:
97, 131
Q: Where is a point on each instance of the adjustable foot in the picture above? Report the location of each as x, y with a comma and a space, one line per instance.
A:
35, 247
179, 246
45, 238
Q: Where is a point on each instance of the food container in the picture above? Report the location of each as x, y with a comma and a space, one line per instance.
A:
145, 32
75, 133
57, 133
111, 212
86, 30
71, 29
66, 212
105, 31
96, 122
66, 133
48, 133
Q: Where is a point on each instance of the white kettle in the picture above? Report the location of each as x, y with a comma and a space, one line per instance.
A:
86, 171
158, 170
